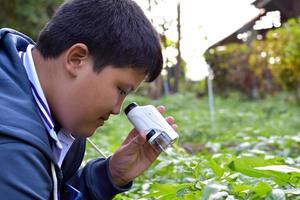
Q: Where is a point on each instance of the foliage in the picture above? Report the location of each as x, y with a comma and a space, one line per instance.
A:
229, 66
237, 67
253, 152
261, 67
283, 53
27, 16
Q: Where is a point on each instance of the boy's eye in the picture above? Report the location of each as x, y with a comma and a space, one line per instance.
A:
122, 92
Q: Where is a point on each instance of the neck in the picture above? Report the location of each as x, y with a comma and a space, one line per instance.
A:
49, 76
42, 67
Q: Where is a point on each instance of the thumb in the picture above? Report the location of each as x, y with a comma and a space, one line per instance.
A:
138, 140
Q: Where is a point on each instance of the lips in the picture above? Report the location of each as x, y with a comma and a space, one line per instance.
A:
104, 118
101, 120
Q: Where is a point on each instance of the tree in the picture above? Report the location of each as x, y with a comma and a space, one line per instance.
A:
178, 70
27, 16
174, 65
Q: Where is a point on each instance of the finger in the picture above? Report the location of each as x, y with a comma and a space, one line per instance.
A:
170, 120
132, 134
153, 152
161, 108
174, 126
138, 141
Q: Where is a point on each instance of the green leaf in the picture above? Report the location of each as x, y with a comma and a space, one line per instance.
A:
248, 166
197, 170
166, 190
262, 189
285, 173
280, 168
182, 192
240, 188
193, 195
216, 168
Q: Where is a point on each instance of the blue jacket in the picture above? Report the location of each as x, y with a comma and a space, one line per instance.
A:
25, 147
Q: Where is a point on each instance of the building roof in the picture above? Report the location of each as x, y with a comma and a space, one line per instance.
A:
287, 8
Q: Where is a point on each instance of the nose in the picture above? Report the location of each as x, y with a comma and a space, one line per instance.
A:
117, 108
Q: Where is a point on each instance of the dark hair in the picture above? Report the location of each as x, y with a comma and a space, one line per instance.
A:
116, 33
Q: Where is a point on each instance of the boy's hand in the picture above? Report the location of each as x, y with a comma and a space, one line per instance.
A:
134, 156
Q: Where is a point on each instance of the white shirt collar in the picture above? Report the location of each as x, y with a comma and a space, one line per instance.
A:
64, 139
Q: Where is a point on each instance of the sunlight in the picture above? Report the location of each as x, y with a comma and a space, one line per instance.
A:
203, 23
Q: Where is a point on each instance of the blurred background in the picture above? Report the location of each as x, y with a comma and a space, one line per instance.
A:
231, 79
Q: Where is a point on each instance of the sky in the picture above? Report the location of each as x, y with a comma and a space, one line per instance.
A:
204, 22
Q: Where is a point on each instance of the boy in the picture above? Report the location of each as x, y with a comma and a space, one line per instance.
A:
55, 93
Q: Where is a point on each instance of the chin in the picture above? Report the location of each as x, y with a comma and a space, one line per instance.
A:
88, 134
84, 133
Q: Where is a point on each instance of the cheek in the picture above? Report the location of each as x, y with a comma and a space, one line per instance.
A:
92, 100
99, 102
108, 99
78, 109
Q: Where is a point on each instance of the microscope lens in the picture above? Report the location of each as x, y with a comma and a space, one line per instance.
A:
163, 141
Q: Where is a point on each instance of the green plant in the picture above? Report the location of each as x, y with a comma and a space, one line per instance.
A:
252, 154
283, 52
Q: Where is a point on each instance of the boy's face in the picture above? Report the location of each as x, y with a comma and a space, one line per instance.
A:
91, 97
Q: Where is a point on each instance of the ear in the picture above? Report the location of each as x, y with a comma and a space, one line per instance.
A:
75, 58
